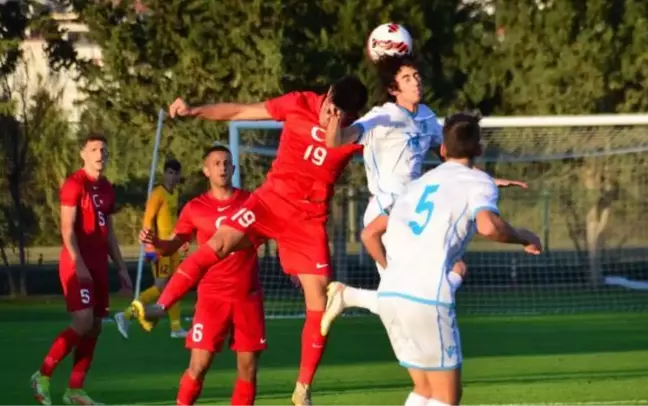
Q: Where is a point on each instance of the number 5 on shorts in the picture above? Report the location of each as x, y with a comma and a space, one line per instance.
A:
424, 205
85, 296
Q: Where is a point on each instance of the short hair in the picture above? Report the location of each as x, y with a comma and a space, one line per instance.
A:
462, 135
388, 67
349, 94
173, 164
93, 137
216, 148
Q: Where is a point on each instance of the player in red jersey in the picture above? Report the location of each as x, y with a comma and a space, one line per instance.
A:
87, 205
230, 301
292, 205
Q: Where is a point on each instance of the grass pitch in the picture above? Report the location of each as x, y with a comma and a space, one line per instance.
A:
571, 359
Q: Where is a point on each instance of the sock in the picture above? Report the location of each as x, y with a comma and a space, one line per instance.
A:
63, 344
455, 280
367, 299
434, 402
178, 286
174, 316
244, 393
150, 295
414, 399
189, 389
313, 344
82, 361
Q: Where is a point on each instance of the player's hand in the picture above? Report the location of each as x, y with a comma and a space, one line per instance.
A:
533, 245
178, 108
148, 236
82, 272
511, 183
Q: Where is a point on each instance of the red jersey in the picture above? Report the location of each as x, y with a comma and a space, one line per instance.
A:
95, 201
236, 276
305, 169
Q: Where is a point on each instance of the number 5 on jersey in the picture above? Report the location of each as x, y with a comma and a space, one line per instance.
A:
425, 206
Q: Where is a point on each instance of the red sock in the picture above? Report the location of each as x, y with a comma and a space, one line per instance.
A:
244, 393
63, 344
178, 286
313, 344
189, 389
82, 360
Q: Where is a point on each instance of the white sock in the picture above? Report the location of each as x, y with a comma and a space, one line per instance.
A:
414, 399
434, 402
364, 298
455, 280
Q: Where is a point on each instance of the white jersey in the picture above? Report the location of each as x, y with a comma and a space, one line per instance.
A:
429, 228
395, 143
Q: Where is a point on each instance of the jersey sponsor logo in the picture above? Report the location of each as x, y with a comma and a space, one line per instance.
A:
320, 266
263, 340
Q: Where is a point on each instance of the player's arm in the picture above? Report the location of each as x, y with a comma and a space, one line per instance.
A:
183, 232
371, 237
114, 252
337, 136
221, 111
499, 182
70, 195
493, 227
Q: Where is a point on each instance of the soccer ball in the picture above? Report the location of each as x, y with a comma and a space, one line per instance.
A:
388, 39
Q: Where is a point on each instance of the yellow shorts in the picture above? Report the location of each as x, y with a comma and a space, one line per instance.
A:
163, 267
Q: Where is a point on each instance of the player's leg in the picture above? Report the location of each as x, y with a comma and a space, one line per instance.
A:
226, 239
175, 312
160, 269
211, 324
84, 352
445, 386
248, 340
80, 300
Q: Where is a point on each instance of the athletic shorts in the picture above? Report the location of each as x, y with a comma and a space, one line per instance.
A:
216, 318
163, 267
302, 240
423, 336
80, 295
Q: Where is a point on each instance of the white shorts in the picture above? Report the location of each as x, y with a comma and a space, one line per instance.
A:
423, 336
377, 207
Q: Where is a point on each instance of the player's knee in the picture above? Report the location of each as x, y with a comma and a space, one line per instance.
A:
314, 290
160, 283
83, 321
247, 365
198, 367
96, 328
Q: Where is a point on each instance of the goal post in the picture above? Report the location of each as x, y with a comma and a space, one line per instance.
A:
586, 199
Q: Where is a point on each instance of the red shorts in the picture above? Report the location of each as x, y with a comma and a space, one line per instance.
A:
302, 240
80, 295
216, 318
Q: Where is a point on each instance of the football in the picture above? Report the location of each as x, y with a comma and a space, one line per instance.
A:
388, 39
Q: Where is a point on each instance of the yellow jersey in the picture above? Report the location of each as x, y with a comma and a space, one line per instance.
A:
161, 211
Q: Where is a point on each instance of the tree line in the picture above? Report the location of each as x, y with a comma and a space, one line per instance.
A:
527, 57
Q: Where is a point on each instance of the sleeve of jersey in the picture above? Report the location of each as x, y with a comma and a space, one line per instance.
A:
70, 193
184, 227
152, 207
279, 107
437, 131
369, 121
485, 198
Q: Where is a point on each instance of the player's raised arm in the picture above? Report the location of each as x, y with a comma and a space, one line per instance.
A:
114, 252
70, 196
336, 136
220, 111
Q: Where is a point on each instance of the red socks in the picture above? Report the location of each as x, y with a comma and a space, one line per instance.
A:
178, 286
244, 393
313, 344
189, 390
82, 360
62, 346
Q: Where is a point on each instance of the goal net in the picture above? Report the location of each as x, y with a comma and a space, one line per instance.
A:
586, 199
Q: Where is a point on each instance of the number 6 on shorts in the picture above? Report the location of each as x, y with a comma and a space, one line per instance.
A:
197, 333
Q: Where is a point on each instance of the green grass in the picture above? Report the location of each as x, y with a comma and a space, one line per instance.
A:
575, 359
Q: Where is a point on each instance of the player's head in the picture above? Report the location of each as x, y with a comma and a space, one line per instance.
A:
461, 137
172, 173
94, 152
348, 95
217, 166
400, 79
